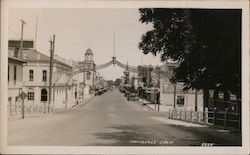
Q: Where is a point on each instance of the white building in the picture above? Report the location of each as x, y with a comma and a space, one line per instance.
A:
36, 80
171, 94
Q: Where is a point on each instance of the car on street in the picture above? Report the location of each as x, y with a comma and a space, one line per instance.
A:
132, 97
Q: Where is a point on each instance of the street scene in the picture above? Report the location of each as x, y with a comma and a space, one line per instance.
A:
111, 120
124, 77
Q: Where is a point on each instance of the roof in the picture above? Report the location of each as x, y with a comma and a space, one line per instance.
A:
88, 51
16, 59
35, 56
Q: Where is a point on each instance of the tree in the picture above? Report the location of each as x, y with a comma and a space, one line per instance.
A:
206, 44
117, 82
110, 82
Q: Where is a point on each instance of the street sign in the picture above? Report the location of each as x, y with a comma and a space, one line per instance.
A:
23, 95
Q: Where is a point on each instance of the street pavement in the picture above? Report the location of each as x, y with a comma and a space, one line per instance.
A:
111, 120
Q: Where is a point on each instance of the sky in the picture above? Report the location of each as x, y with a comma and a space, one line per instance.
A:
77, 30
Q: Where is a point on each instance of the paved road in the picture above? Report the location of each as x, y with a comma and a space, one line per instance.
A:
110, 120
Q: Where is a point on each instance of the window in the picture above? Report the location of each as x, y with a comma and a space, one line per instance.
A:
31, 75
8, 73
9, 99
14, 73
31, 96
75, 95
44, 75
180, 99
43, 95
88, 75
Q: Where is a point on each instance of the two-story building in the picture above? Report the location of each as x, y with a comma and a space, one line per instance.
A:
36, 80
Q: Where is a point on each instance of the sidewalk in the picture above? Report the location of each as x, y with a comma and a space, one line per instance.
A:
164, 111
74, 104
151, 106
86, 98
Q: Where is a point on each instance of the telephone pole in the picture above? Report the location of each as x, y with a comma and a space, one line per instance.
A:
36, 33
21, 42
52, 50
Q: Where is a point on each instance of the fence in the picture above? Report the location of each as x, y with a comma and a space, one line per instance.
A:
16, 110
221, 118
189, 115
224, 118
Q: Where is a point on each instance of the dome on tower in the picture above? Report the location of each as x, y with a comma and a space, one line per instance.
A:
89, 55
89, 51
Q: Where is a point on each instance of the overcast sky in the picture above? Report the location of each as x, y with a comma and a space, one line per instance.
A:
79, 29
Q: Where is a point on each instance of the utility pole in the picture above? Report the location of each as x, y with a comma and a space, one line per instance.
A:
52, 49
114, 44
196, 100
54, 84
158, 92
21, 42
21, 56
36, 33
174, 95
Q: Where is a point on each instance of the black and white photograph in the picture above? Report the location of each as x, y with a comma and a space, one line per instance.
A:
148, 75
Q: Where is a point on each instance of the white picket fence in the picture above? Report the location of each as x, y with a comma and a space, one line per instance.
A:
189, 115
16, 110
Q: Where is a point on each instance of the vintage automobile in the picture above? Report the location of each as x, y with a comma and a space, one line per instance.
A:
132, 97
126, 93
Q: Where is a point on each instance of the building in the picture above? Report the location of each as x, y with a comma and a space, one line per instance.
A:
145, 82
89, 73
173, 96
15, 81
36, 80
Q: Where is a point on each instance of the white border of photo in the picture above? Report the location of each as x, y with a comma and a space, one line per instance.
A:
240, 4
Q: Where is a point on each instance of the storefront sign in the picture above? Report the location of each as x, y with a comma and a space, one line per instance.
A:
180, 99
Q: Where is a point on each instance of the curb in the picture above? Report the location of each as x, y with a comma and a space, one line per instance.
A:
82, 103
144, 105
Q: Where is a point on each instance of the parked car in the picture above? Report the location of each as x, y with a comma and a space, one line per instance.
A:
132, 97
126, 93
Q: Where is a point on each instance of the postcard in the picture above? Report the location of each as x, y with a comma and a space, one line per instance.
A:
124, 77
